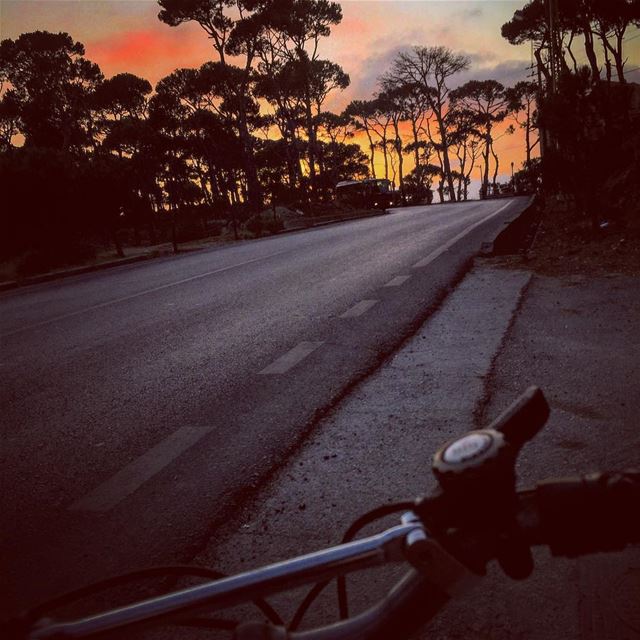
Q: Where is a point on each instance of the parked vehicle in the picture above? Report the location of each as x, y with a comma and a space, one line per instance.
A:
373, 193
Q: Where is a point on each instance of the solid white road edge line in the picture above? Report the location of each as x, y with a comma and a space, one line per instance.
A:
445, 247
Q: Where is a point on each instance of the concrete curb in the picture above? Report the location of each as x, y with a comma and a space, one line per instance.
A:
47, 277
514, 235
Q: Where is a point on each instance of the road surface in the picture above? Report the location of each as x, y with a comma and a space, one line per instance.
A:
141, 405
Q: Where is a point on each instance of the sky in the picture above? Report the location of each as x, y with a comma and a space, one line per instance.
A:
126, 35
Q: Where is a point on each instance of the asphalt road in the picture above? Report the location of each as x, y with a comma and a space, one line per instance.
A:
141, 405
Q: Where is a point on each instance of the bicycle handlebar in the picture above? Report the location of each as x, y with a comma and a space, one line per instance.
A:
475, 516
573, 516
589, 514
569, 515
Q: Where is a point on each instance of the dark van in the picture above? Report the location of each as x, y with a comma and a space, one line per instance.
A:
373, 193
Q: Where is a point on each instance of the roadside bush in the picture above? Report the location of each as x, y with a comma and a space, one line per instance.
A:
216, 227
273, 226
51, 257
254, 225
264, 224
190, 229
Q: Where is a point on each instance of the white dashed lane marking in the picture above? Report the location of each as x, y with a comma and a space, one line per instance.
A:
291, 358
445, 247
134, 475
357, 310
397, 281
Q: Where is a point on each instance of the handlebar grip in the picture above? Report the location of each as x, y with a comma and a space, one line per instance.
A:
589, 514
524, 418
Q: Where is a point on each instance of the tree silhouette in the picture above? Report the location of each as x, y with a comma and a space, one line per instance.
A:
466, 141
414, 107
122, 96
430, 69
362, 112
418, 182
486, 102
50, 84
379, 123
393, 103
337, 127
233, 29
612, 18
10, 124
288, 45
529, 24
522, 99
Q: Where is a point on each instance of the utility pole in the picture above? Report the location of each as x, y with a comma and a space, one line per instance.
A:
555, 46
555, 64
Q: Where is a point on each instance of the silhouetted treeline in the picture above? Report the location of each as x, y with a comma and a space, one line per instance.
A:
84, 158
589, 114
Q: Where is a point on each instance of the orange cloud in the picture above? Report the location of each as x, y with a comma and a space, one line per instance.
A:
151, 53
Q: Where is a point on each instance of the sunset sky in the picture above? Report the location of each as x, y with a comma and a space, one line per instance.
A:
126, 35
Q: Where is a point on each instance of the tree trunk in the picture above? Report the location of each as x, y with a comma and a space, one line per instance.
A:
372, 148
293, 162
527, 133
151, 219
446, 165
416, 151
591, 54
214, 183
542, 68
311, 139
467, 178
116, 241
174, 235
397, 143
485, 156
400, 169
617, 56
495, 172
254, 190
383, 144
607, 61
463, 163
570, 52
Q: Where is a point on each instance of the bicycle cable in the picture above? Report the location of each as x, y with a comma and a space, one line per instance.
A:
356, 526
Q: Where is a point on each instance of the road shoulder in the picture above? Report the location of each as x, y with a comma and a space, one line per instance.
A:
498, 332
376, 446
